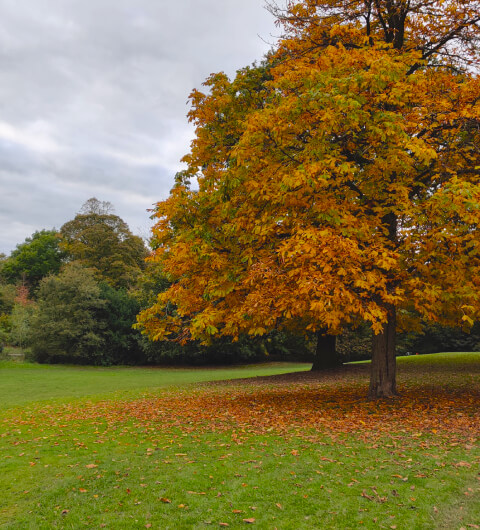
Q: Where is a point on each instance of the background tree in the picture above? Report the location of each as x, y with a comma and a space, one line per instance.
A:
352, 193
35, 258
65, 327
8, 294
79, 320
20, 318
102, 241
121, 343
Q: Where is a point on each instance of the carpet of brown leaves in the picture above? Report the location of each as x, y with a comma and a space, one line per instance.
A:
433, 400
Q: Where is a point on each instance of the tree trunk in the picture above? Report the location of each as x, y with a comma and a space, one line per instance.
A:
383, 367
325, 355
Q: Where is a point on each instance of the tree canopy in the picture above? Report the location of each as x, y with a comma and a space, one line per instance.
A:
65, 326
102, 241
38, 256
337, 183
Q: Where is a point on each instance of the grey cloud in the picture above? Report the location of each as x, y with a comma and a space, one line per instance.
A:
93, 99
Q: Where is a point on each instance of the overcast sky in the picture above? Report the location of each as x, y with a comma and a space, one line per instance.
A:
93, 100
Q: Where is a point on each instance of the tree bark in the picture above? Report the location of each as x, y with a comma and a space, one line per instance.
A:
326, 354
383, 367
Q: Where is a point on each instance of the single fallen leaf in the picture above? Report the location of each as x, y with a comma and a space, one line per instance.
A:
237, 511
91, 466
250, 520
223, 524
366, 496
165, 500
279, 506
82, 490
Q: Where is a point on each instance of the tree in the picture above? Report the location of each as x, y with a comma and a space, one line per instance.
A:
102, 241
343, 190
21, 317
65, 327
79, 320
122, 344
35, 258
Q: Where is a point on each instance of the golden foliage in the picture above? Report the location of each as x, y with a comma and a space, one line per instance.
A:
336, 181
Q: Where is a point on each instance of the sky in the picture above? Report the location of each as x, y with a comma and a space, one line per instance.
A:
93, 99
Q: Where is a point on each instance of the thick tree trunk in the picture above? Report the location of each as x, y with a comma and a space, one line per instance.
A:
383, 367
326, 354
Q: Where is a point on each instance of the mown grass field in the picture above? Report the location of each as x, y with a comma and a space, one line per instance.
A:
141, 448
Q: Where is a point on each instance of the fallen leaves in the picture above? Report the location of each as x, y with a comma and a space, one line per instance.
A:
301, 402
375, 497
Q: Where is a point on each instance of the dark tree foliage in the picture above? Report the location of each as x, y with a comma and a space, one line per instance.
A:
436, 338
122, 344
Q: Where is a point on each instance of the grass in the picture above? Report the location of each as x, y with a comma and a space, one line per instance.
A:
285, 451
23, 383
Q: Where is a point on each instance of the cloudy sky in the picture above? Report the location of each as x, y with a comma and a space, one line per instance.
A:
93, 100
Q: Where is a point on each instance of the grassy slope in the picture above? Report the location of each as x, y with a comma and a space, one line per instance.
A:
289, 452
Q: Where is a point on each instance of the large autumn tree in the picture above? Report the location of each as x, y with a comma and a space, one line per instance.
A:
342, 187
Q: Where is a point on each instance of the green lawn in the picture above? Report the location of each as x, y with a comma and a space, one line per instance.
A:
21, 383
120, 448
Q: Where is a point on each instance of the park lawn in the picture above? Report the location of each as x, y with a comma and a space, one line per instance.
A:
300, 450
21, 383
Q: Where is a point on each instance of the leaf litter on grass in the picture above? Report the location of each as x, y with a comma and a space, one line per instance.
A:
296, 403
